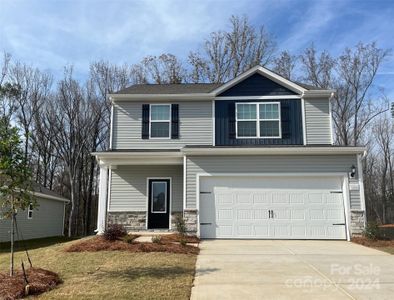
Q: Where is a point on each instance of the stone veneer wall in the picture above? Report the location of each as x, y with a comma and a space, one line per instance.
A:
190, 217
131, 220
135, 220
357, 222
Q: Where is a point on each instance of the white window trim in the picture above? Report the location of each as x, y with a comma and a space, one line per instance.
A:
258, 120
30, 210
160, 121
151, 197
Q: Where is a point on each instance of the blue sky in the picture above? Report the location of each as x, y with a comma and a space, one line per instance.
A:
52, 34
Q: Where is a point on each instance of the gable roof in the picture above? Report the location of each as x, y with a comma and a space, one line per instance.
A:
211, 90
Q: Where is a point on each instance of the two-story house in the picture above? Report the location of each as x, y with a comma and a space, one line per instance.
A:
250, 158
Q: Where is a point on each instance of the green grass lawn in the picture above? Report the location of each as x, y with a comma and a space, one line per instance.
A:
109, 275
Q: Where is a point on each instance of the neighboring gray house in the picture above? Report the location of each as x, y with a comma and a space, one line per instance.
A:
45, 220
251, 158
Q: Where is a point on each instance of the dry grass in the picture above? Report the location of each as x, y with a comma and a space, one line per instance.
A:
383, 245
100, 244
113, 274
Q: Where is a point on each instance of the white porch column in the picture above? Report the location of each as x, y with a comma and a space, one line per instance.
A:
102, 201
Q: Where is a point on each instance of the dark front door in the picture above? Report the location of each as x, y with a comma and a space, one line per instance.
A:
159, 203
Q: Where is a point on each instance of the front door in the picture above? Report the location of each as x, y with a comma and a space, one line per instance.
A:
159, 203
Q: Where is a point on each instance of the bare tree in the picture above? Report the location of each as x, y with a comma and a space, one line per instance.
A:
34, 87
383, 131
163, 69
226, 54
352, 75
284, 64
70, 118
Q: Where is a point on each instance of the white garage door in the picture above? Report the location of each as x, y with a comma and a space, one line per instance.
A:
272, 207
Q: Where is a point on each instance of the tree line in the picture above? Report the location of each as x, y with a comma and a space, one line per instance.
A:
63, 121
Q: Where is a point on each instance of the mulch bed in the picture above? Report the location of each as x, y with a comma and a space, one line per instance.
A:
373, 243
176, 237
40, 281
100, 244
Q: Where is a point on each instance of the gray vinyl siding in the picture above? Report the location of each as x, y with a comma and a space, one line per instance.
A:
265, 164
317, 121
47, 221
195, 126
129, 186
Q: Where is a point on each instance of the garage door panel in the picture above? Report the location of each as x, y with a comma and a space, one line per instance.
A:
280, 198
262, 198
298, 214
335, 215
262, 231
246, 198
297, 198
244, 214
225, 215
281, 214
303, 208
316, 198
261, 214
223, 198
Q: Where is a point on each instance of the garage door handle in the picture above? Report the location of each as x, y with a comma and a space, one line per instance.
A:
339, 224
205, 223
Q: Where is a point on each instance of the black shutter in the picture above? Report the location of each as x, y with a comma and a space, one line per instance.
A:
145, 121
231, 120
175, 121
285, 118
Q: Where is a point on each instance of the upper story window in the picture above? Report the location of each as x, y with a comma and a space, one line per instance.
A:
258, 120
30, 211
160, 121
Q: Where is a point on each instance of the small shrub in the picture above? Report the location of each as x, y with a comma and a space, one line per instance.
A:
114, 232
372, 231
156, 239
129, 239
183, 241
180, 224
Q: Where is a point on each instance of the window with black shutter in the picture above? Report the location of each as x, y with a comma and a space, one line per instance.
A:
145, 121
160, 121
175, 121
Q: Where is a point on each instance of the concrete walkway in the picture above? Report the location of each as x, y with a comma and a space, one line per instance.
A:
247, 269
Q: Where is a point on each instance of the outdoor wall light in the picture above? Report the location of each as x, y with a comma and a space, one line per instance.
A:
352, 171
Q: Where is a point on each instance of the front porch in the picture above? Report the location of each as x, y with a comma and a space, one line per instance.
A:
143, 191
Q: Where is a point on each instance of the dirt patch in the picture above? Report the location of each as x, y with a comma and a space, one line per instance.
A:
40, 281
373, 243
176, 237
100, 244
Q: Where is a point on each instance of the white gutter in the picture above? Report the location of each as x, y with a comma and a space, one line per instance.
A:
318, 93
274, 151
41, 195
139, 154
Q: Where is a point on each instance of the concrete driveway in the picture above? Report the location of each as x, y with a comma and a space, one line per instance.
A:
266, 269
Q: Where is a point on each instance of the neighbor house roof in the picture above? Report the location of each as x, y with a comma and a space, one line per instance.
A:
43, 192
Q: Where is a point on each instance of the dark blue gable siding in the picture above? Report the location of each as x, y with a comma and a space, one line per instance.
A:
291, 124
257, 85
